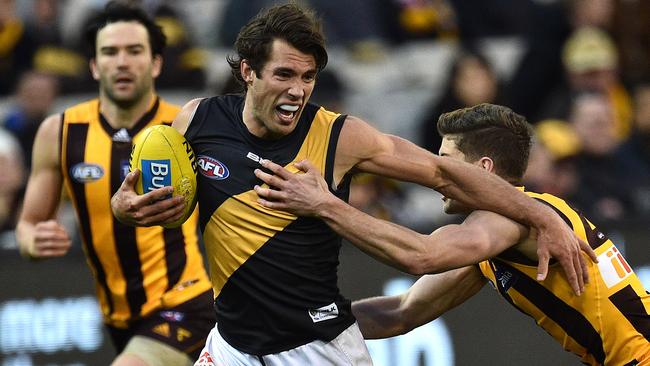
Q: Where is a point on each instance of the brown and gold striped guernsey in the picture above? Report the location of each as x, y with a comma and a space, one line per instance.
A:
609, 324
137, 269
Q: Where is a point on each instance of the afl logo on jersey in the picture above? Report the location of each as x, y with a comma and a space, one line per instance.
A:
86, 172
212, 168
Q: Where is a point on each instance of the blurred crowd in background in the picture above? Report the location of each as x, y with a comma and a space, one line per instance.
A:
579, 70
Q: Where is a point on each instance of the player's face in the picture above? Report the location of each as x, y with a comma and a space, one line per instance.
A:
277, 96
124, 64
449, 149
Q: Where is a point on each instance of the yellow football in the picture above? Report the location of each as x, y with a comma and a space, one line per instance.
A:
165, 158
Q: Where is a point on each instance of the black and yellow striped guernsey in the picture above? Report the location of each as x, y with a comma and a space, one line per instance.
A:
136, 270
273, 274
609, 324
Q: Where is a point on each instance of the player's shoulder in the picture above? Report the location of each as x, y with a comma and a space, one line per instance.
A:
83, 110
51, 126
166, 107
550, 200
186, 114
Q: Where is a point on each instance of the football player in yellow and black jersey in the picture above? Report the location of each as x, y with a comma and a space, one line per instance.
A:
609, 324
154, 292
273, 273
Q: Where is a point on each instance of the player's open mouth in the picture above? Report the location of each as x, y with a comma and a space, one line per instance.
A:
287, 112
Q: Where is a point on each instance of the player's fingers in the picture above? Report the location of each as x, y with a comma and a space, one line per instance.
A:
53, 252
278, 170
162, 217
49, 225
269, 179
268, 193
307, 167
542, 265
42, 246
157, 195
175, 217
48, 233
269, 204
585, 269
571, 274
589, 250
580, 271
130, 180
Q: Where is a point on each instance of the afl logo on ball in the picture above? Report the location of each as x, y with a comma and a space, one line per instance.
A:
86, 172
212, 168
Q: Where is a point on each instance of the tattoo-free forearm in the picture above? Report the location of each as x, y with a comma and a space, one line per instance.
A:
379, 317
389, 243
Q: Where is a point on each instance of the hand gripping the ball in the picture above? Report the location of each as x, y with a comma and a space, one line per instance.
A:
149, 209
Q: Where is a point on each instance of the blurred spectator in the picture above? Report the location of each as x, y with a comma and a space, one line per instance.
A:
631, 30
472, 81
608, 178
51, 55
184, 62
548, 25
591, 13
638, 146
329, 92
590, 59
32, 101
409, 20
377, 196
16, 47
639, 143
550, 168
12, 181
479, 19
352, 24
540, 70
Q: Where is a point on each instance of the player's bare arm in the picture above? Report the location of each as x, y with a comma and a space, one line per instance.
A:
362, 147
426, 300
38, 234
152, 208
482, 235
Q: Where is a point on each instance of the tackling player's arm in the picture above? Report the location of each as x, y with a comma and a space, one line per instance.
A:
152, 208
483, 234
426, 300
362, 147
38, 234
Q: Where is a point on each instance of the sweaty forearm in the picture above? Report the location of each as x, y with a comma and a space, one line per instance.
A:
379, 317
389, 243
479, 189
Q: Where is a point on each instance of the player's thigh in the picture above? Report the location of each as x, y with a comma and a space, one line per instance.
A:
144, 351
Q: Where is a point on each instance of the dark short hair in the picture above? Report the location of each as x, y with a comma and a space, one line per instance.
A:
120, 11
289, 22
494, 131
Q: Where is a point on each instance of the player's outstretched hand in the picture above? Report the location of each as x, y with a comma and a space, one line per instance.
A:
303, 194
557, 240
50, 240
150, 209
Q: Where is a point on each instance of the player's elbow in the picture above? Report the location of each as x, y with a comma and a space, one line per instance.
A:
421, 261
425, 257
407, 321
417, 266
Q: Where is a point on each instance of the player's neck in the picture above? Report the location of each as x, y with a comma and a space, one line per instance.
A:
119, 117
